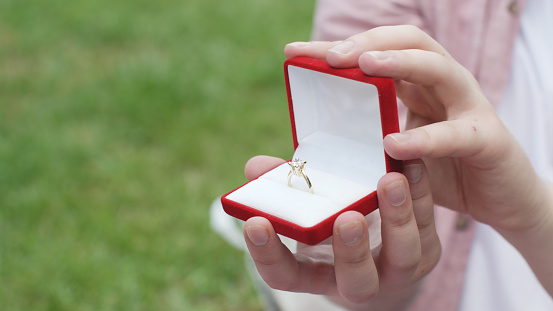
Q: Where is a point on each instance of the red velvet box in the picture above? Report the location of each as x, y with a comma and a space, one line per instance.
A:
339, 120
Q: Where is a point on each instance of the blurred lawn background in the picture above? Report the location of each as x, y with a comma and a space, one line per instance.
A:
120, 122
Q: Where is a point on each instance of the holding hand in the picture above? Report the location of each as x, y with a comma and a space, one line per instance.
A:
475, 165
344, 267
453, 127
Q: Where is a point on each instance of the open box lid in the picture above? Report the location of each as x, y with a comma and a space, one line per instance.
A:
339, 119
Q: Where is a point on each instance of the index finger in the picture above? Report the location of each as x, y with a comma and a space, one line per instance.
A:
345, 54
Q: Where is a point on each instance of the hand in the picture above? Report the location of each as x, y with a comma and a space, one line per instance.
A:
475, 165
343, 267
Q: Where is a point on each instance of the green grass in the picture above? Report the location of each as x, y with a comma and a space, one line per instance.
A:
120, 122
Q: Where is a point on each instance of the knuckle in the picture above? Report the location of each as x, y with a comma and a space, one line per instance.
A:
408, 263
356, 259
428, 263
414, 33
266, 261
403, 220
288, 285
432, 258
421, 193
424, 135
361, 297
412, 30
425, 224
405, 31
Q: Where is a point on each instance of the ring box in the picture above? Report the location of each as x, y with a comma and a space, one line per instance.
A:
339, 119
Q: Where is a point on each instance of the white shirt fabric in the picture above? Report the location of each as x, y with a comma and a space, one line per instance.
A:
498, 277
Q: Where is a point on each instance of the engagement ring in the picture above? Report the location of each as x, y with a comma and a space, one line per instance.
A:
297, 167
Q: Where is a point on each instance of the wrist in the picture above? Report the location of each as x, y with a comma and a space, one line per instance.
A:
535, 242
534, 227
534, 214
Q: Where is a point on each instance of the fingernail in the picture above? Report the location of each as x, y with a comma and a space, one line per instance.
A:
299, 44
257, 235
413, 172
351, 233
396, 193
400, 138
343, 48
379, 55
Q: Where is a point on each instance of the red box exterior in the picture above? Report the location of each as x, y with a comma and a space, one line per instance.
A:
389, 120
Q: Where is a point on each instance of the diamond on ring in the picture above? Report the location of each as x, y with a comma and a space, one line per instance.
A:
297, 169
